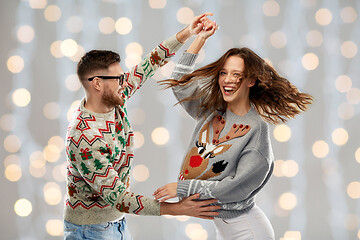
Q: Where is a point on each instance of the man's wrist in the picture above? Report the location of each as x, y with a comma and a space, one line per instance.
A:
167, 208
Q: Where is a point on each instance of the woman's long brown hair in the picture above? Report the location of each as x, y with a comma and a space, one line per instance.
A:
273, 96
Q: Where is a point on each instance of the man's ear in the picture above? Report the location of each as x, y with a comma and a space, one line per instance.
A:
96, 83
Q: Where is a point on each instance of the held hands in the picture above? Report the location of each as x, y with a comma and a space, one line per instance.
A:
166, 192
203, 26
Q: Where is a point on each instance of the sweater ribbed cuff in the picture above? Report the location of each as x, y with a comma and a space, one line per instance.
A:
182, 188
188, 59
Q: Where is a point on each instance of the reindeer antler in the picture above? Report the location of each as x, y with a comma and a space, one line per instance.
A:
237, 130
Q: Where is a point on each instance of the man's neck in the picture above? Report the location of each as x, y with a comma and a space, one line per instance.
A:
96, 106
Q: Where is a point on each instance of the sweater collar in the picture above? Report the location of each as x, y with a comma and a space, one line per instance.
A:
99, 115
230, 116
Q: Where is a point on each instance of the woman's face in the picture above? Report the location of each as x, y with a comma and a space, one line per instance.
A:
233, 89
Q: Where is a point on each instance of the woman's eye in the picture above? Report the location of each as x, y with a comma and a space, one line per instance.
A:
222, 73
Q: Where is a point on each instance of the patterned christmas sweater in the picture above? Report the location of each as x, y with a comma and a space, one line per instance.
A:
229, 157
100, 150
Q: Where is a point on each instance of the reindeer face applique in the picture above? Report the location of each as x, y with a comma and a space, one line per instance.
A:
197, 159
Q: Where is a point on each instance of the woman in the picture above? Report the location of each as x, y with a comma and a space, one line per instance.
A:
230, 155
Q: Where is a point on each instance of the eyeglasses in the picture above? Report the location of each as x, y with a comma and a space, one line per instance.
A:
121, 78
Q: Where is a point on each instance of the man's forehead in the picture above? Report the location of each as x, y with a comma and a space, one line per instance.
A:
115, 68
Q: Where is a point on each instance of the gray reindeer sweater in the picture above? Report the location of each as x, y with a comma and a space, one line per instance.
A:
229, 156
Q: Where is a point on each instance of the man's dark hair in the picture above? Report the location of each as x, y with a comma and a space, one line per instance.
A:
95, 60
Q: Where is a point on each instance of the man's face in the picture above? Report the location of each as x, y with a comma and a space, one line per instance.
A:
112, 93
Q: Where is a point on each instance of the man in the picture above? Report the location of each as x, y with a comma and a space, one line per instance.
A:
100, 146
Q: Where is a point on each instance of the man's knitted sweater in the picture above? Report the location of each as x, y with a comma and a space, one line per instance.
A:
229, 157
100, 151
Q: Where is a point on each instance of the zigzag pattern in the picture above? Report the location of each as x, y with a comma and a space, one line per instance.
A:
83, 137
127, 163
131, 134
82, 204
141, 206
166, 50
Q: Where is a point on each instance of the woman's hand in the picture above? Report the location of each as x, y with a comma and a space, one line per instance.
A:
197, 24
166, 192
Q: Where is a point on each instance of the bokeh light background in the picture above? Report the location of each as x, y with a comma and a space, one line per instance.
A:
315, 190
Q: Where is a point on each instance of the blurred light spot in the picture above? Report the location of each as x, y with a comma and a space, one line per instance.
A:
13, 172
51, 153
282, 133
182, 218
353, 96
12, 143
7, 122
357, 155
139, 139
51, 110
68, 47
271, 8
74, 24
323, 16
25, 34
340, 136
21, 97
134, 48
160, 136
290, 168
54, 227
79, 53
123, 26
55, 49
314, 38
349, 49
278, 39
132, 60
343, 83
287, 201
320, 149
74, 106
137, 116
348, 15
278, 172
52, 13
346, 111
11, 159
353, 190
310, 61
72, 83
38, 4
58, 141
185, 15
59, 172
196, 231
292, 235
15, 64
107, 25
52, 193
167, 70
23, 207
140, 173
37, 166
157, 3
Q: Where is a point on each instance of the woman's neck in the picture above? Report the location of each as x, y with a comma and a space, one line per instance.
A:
240, 109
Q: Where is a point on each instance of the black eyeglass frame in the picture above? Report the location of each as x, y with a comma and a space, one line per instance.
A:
121, 78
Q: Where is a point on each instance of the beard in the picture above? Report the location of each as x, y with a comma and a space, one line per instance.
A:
111, 98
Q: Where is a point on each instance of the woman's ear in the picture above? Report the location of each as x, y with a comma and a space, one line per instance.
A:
251, 82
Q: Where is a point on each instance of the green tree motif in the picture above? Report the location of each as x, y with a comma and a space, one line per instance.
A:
84, 168
98, 164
